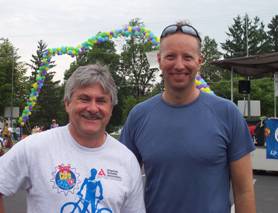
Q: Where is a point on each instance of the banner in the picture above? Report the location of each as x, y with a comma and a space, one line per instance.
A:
271, 133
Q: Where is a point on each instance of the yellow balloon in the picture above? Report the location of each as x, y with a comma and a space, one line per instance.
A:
35, 85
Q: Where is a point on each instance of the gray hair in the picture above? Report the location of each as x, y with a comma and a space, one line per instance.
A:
89, 75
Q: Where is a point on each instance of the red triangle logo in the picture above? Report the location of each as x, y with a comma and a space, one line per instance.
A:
101, 173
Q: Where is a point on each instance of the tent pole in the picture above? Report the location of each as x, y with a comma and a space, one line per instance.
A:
232, 84
249, 102
275, 93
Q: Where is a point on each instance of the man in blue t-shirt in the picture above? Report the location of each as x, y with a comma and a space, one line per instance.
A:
191, 143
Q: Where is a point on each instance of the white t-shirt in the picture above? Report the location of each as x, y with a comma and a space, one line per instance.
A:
53, 168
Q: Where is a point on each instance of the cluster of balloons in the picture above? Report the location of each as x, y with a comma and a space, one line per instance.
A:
202, 85
87, 45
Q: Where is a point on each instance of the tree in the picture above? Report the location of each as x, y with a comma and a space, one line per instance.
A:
262, 89
103, 53
245, 37
134, 68
209, 72
12, 79
49, 101
273, 34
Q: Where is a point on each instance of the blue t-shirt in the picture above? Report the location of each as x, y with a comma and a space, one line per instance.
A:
186, 151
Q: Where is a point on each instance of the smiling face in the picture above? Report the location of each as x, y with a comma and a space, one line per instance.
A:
89, 111
179, 59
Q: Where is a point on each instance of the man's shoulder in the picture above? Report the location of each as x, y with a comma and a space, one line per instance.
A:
46, 136
221, 107
120, 148
147, 104
216, 101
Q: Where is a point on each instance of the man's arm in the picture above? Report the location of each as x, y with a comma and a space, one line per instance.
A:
81, 188
1, 204
242, 182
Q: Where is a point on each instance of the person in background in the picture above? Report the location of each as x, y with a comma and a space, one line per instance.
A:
54, 124
36, 129
190, 143
52, 165
1, 139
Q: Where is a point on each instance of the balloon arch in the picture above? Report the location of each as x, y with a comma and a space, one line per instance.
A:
87, 45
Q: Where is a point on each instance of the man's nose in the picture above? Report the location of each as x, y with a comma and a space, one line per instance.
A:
179, 63
93, 106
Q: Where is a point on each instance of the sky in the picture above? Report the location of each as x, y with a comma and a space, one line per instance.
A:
71, 22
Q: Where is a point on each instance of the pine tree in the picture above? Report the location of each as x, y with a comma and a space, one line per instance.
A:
49, 101
273, 33
245, 37
211, 53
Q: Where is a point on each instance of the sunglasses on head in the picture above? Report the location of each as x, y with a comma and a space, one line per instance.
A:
185, 28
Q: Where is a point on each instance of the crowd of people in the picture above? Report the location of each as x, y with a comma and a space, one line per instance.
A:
9, 136
191, 144
6, 137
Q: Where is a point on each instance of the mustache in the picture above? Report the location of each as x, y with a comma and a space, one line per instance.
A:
90, 115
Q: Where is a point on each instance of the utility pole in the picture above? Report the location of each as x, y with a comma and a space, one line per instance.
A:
247, 54
12, 96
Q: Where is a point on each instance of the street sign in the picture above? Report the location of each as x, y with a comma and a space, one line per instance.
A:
276, 84
14, 113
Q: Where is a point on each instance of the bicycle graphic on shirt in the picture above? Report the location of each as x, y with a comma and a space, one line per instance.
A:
81, 206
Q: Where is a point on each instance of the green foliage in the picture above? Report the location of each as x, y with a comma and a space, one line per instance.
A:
103, 53
134, 67
245, 37
49, 104
12, 79
262, 89
273, 34
222, 88
209, 72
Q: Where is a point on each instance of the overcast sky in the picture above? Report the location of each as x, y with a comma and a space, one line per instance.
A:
70, 22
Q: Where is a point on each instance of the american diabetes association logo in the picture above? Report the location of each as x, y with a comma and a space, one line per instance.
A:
65, 179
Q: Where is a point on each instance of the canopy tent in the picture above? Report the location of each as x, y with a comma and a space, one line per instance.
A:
251, 66
256, 65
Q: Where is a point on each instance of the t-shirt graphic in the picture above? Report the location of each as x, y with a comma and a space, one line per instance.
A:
65, 179
90, 195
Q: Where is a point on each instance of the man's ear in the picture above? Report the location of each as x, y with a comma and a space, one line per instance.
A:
201, 59
158, 58
66, 103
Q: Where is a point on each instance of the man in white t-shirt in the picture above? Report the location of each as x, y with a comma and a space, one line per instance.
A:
78, 166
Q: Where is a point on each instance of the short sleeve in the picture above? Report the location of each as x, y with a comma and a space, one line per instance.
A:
127, 136
241, 141
14, 170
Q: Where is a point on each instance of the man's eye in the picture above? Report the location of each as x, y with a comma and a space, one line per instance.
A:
83, 99
170, 57
188, 57
101, 101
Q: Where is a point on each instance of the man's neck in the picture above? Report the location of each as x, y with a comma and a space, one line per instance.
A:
90, 141
180, 97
